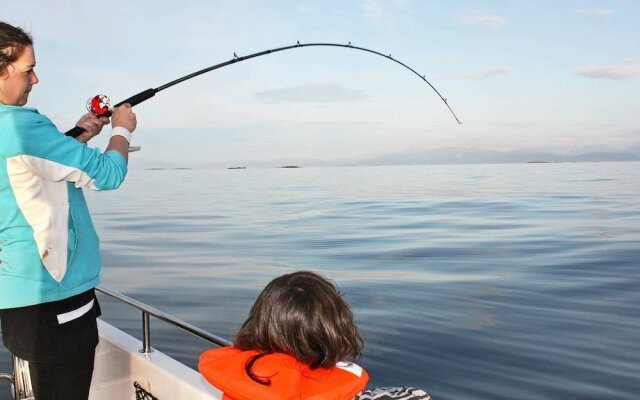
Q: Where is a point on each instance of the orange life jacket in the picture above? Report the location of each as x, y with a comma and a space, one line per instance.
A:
224, 368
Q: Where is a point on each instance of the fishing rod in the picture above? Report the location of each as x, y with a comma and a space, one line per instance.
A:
100, 105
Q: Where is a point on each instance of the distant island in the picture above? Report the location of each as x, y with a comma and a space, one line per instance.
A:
167, 169
237, 168
290, 166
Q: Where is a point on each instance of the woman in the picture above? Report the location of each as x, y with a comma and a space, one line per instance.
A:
49, 253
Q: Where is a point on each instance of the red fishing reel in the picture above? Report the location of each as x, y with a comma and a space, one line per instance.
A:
100, 105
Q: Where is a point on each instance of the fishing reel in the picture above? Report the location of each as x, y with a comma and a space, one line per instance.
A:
99, 105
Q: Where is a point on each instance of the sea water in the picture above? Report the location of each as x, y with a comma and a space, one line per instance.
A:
509, 281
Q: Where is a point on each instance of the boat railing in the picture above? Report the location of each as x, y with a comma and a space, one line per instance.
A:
148, 311
20, 381
10, 379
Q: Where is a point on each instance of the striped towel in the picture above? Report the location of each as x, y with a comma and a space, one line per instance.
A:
393, 393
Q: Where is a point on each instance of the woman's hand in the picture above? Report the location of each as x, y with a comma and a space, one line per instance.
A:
124, 117
92, 125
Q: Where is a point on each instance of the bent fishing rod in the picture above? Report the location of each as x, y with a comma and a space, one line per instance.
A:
100, 105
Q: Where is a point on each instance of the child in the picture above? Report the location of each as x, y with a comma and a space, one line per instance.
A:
295, 344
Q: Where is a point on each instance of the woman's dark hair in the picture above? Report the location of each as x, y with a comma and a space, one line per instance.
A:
303, 315
12, 43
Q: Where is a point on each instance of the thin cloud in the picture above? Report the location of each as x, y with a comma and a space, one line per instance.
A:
307, 7
372, 9
629, 70
489, 73
385, 12
483, 18
595, 11
311, 93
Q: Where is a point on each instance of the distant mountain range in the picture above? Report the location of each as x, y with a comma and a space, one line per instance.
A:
451, 155
481, 156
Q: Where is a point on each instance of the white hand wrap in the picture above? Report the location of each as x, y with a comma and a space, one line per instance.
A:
121, 131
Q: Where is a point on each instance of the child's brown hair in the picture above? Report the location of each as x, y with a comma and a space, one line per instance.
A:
303, 315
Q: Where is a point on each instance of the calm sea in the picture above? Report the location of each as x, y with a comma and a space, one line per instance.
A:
513, 281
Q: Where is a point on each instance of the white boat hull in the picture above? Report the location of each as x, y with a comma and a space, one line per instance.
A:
119, 364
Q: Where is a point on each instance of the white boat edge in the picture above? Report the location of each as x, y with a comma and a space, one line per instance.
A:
119, 363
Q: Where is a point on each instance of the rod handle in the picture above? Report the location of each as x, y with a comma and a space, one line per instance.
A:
74, 132
133, 100
138, 98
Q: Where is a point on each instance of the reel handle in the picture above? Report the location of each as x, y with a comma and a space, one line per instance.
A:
100, 105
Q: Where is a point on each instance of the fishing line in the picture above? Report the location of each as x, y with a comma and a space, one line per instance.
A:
100, 104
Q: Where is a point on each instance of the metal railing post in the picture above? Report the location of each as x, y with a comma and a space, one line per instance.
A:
146, 334
22, 388
17, 393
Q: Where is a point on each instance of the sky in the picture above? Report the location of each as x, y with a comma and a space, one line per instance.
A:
551, 75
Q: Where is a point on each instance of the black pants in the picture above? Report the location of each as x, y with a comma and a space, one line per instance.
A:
59, 340
64, 381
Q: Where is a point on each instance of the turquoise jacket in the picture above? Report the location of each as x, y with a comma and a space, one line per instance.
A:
49, 249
